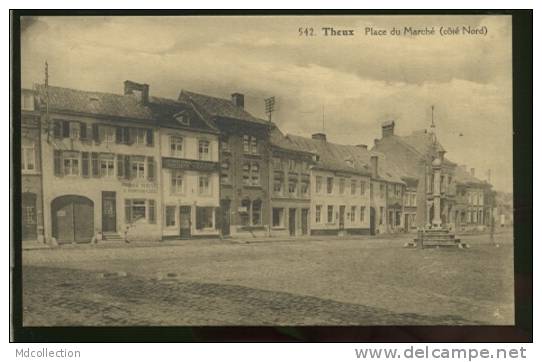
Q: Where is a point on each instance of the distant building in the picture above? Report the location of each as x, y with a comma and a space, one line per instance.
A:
244, 163
471, 210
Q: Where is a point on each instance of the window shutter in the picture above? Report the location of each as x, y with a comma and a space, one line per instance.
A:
96, 132
152, 215
120, 166
57, 129
128, 211
65, 129
127, 166
95, 165
85, 165
150, 137
118, 134
58, 162
83, 131
150, 166
126, 135
130, 136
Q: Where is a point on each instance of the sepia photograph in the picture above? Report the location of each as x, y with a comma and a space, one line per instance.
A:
266, 170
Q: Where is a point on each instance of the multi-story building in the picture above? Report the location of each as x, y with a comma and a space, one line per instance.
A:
102, 165
290, 200
343, 179
412, 156
244, 163
471, 211
31, 181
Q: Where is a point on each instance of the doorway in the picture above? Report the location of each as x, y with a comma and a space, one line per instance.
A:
304, 221
225, 217
372, 221
291, 221
29, 217
185, 222
109, 211
73, 219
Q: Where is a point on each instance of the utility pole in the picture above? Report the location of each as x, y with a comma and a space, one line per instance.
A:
269, 109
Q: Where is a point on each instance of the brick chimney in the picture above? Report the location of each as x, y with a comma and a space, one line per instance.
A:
238, 99
472, 171
388, 128
319, 136
138, 89
374, 166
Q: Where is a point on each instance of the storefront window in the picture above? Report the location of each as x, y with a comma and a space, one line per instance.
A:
170, 215
278, 217
256, 212
204, 218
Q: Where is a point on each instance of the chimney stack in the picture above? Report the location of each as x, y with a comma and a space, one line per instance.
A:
138, 89
472, 171
388, 128
238, 100
374, 166
319, 136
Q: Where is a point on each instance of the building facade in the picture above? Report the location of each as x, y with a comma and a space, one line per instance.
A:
31, 179
244, 163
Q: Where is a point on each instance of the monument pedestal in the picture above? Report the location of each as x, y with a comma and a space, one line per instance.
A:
436, 238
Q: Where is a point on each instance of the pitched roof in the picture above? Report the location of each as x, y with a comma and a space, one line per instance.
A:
157, 110
220, 107
280, 140
462, 176
345, 158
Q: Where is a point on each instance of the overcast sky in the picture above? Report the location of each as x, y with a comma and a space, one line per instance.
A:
359, 81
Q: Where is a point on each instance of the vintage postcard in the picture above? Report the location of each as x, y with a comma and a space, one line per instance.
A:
264, 170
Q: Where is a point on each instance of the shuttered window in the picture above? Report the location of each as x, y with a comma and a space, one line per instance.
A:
83, 131
85, 165
96, 132
152, 212
120, 166
65, 129
150, 168
57, 162
95, 165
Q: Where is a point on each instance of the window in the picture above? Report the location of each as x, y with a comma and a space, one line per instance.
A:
341, 186
318, 214
362, 188
204, 218
353, 187
277, 163
253, 145
140, 136
225, 145
362, 214
71, 164
305, 185
28, 158
225, 172
278, 217
75, 128
246, 144
256, 212
203, 150
278, 182
107, 134
204, 185
318, 184
380, 216
171, 217
255, 174
139, 209
244, 213
353, 214
330, 185
330, 214
177, 182
107, 166
176, 146
292, 186
138, 168
246, 174
382, 190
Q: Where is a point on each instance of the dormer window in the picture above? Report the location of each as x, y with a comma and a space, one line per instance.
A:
182, 118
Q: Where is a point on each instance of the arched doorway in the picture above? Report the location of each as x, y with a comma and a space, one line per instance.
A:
73, 219
29, 218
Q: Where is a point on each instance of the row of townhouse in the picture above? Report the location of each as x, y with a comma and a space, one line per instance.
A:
465, 200
130, 166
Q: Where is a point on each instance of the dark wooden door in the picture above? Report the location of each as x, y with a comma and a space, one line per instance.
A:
109, 211
73, 219
372, 221
225, 216
304, 221
185, 222
341, 217
291, 221
29, 217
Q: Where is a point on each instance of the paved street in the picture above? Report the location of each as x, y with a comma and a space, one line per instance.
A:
303, 282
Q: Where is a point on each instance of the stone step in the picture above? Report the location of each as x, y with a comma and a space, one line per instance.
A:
112, 237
